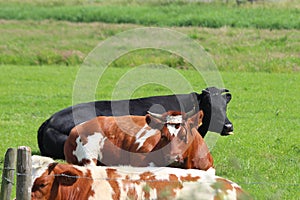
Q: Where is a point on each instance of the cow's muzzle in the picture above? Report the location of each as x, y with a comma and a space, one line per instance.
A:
175, 160
227, 130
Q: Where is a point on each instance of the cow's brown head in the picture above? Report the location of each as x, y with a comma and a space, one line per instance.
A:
57, 183
178, 131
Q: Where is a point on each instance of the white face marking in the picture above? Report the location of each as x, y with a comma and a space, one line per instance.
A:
171, 121
39, 166
174, 119
91, 150
141, 139
172, 129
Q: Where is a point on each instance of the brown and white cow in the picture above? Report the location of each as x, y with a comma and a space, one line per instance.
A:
159, 140
65, 182
39, 165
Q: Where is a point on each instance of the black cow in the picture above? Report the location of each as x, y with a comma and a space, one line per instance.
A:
53, 133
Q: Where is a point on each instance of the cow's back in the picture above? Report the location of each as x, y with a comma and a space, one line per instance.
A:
134, 183
111, 141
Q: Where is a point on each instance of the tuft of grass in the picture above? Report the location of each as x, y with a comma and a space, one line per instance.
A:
263, 155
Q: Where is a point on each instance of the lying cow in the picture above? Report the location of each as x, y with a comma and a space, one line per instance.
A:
169, 139
64, 182
53, 133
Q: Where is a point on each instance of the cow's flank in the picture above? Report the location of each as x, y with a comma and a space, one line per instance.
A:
65, 182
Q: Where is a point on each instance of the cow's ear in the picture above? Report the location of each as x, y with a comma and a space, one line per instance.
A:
51, 167
197, 119
67, 178
153, 122
201, 115
227, 97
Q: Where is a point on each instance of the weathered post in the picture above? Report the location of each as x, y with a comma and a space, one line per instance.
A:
23, 173
8, 173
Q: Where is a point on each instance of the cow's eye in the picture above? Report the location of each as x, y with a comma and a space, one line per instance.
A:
42, 185
177, 126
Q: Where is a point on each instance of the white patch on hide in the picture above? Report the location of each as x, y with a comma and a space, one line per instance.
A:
141, 139
101, 144
141, 131
91, 150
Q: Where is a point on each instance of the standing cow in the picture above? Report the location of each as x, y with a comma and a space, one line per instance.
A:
169, 139
65, 182
53, 133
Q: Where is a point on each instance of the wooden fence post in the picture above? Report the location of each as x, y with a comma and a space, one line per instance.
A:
8, 173
23, 173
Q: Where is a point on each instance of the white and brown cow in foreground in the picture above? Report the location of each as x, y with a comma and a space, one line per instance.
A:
39, 165
65, 182
170, 139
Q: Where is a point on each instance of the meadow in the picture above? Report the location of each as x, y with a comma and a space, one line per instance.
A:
28, 42
173, 14
258, 61
262, 156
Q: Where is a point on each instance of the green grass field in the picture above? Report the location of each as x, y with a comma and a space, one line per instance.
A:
171, 14
64, 43
258, 59
262, 156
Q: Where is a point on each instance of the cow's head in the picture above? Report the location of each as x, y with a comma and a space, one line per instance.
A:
178, 131
39, 165
42, 187
56, 181
213, 102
